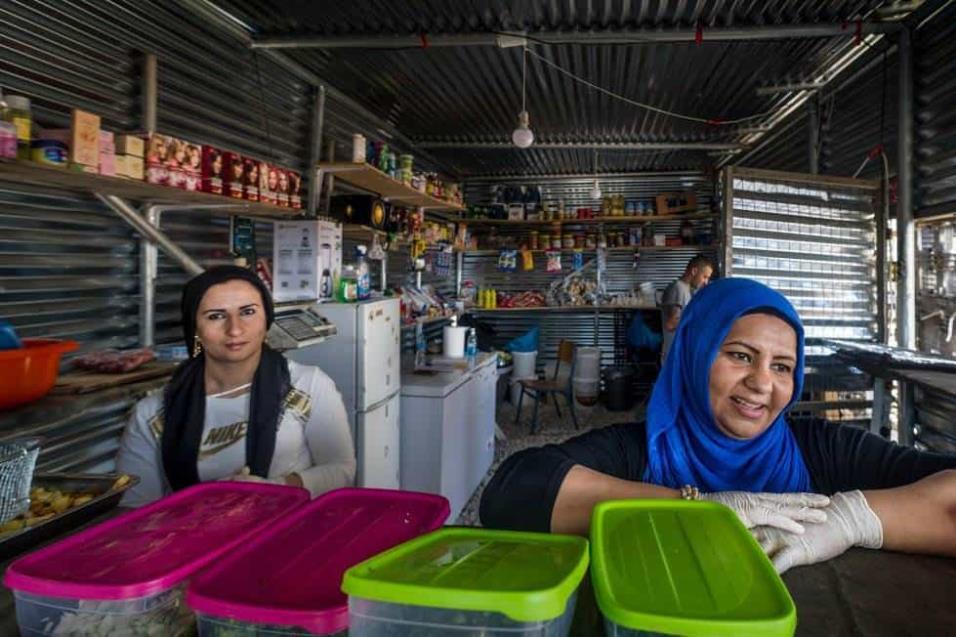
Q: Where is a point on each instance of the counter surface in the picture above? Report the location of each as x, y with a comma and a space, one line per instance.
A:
439, 384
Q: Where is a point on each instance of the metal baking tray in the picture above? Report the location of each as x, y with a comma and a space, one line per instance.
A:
104, 499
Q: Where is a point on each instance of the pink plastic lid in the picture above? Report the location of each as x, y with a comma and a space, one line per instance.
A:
292, 576
156, 547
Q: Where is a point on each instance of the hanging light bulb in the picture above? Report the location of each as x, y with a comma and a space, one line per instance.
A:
522, 137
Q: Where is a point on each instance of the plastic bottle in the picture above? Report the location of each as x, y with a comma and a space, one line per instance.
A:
362, 276
471, 347
347, 291
420, 345
18, 113
8, 132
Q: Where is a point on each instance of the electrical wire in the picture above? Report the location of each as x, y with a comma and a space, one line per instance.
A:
645, 106
524, 77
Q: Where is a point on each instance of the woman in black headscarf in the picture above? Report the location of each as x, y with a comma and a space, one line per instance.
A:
236, 409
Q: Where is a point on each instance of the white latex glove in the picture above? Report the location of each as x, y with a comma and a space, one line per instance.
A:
850, 522
781, 510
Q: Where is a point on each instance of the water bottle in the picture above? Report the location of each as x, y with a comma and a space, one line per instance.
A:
420, 345
471, 347
362, 274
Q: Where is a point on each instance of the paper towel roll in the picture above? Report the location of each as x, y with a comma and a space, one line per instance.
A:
454, 338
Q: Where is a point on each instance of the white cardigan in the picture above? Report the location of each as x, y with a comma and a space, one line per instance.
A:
313, 439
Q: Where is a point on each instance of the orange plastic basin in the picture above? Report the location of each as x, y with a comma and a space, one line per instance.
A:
29, 373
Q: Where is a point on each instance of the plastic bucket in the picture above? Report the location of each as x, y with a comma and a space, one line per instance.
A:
588, 363
524, 363
619, 388
586, 390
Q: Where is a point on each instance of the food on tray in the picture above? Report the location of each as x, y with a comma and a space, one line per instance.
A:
113, 361
46, 503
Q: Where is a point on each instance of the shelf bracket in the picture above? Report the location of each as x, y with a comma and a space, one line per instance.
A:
150, 232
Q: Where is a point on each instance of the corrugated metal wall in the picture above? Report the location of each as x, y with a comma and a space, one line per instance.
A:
69, 268
935, 147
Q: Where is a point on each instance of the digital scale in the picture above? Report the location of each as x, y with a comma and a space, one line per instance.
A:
297, 326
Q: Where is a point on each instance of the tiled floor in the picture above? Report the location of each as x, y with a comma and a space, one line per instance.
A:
551, 429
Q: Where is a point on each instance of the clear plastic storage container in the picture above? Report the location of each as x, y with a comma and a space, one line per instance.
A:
678, 567
126, 576
468, 582
289, 580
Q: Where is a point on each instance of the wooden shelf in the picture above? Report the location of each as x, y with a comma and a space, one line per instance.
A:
614, 249
63, 178
565, 308
374, 180
574, 222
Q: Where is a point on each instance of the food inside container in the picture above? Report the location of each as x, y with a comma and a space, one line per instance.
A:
298, 564
126, 576
469, 582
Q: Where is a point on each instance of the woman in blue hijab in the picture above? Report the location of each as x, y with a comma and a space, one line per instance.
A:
718, 429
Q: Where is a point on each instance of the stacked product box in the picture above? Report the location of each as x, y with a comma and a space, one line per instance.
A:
129, 156
233, 171
213, 165
107, 162
250, 179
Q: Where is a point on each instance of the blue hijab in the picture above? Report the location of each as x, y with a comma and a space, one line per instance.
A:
684, 444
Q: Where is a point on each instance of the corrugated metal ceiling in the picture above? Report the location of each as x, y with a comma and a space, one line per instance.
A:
473, 94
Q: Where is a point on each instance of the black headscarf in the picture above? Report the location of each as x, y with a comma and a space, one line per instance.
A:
184, 402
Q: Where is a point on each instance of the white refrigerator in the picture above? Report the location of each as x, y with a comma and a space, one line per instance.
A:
364, 360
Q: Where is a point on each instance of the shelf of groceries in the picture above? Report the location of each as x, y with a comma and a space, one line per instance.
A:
367, 177
64, 177
631, 248
590, 220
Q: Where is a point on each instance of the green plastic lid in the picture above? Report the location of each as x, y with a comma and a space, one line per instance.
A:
683, 567
528, 577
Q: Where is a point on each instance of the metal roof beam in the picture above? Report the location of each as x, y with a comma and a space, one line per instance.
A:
650, 146
790, 88
605, 37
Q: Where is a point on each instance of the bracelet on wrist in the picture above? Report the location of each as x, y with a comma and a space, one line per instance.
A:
688, 492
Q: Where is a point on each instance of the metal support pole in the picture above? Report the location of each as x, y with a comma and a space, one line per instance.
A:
150, 92
905, 228
318, 124
459, 269
149, 232
813, 128
330, 184
148, 272
882, 221
385, 272
727, 222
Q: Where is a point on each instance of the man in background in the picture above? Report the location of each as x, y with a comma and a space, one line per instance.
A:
677, 295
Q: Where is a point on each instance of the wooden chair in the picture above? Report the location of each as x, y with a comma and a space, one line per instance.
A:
539, 389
